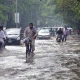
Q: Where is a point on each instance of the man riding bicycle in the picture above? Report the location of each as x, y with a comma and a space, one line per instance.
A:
31, 33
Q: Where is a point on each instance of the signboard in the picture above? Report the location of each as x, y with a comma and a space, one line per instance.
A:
16, 17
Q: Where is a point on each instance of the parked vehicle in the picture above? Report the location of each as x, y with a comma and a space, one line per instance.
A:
44, 34
13, 36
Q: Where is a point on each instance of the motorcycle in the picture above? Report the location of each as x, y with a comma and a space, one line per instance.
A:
59, 38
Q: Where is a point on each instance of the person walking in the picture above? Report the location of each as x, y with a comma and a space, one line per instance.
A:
2, 37
65, 34
5, 33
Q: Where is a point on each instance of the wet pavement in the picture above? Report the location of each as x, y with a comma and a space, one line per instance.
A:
52, 61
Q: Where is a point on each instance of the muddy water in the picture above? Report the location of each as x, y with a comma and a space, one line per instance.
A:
52, 61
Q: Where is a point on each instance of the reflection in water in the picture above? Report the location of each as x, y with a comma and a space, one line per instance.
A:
30, 59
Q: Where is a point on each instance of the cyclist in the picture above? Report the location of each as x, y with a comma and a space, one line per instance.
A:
31, 33
60, 35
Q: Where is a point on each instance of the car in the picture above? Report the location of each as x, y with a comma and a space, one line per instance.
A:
44, 34
52, 30
13, 36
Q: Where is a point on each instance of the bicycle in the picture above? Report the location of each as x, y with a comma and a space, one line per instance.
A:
28, 47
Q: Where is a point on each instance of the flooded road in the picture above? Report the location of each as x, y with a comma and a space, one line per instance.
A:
52, 61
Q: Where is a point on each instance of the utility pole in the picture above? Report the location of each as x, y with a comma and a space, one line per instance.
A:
16, 6
16, 15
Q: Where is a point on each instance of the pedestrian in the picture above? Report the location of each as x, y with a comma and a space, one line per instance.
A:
5, 33
70, 32
31, 32
65, 34
2, 37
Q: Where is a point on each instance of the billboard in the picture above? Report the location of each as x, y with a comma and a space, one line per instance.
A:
16, 17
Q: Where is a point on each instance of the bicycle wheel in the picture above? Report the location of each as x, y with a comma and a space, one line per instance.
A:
0, 45
27, 49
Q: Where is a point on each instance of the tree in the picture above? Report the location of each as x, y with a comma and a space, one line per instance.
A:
70, 11
55, 12
6, 12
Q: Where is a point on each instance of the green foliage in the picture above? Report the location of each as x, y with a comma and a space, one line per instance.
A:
70, 11
55, 12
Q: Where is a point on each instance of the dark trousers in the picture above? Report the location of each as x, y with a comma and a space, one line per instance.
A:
64, 37
28, 48
0, 45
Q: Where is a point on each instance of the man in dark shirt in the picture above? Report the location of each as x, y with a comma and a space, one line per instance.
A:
60, 34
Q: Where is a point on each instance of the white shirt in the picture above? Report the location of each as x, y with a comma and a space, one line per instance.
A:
2, 35
5, 33
65, 32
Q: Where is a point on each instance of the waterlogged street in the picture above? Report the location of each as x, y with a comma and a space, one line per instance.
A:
52, 61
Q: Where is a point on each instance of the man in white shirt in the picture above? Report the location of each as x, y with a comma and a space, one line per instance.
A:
2, 37
5, 33
65, 34
31, 32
